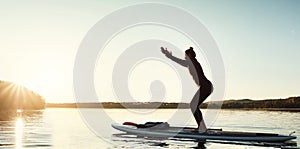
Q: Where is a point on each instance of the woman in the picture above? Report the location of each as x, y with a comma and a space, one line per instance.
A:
205, 86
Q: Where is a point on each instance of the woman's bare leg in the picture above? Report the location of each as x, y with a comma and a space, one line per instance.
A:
199, 98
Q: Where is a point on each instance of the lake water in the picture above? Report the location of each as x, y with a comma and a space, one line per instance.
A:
64, 128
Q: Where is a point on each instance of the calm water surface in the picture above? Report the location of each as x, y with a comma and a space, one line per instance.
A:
64, 128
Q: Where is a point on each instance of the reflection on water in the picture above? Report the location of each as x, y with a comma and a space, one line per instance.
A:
133, 141
21, 129
19, 132
64, 128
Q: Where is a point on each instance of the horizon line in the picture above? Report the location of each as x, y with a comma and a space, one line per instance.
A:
167, 102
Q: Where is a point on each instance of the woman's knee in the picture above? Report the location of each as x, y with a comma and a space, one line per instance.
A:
193, 107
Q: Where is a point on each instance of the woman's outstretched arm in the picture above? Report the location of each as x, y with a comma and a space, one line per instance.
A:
173, 58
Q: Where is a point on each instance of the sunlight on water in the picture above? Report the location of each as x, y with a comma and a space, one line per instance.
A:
19, 132
19, 110
64, 128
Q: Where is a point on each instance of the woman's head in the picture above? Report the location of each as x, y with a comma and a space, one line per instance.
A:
190, 53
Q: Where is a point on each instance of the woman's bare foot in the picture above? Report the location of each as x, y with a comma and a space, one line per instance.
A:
199, 130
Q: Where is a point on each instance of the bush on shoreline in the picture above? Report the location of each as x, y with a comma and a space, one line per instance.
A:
14, 96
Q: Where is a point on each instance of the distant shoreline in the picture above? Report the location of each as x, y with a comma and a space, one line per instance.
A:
113, 105
291, 104
239, 109
267, 109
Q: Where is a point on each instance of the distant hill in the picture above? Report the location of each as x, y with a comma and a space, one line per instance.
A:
288, 104
14, 96
134, 105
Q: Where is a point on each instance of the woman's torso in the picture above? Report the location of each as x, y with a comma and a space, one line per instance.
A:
197, 73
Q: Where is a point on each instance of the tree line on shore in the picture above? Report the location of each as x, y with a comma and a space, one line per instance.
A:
291, 102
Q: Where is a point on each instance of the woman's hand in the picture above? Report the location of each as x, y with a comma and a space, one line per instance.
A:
165, 51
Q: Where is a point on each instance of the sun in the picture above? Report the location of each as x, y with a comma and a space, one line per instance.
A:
21, 84
49, 83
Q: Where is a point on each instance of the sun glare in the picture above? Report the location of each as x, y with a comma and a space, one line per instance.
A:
45, 83
20, 84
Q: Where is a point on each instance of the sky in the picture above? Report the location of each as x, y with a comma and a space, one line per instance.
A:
259, 42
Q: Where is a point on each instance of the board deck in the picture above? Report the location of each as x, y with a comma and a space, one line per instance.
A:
185, 132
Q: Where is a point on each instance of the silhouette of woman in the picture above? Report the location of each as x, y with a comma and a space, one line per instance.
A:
205, 86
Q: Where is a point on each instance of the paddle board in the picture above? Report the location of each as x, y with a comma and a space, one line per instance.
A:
186, 132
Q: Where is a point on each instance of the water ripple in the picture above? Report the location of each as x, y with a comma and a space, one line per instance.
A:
24, 129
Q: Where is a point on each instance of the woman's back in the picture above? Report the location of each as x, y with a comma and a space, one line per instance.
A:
196, 71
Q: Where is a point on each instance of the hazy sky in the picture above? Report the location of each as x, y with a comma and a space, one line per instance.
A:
259, 42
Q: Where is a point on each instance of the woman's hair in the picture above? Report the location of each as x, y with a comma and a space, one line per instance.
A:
190, 52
